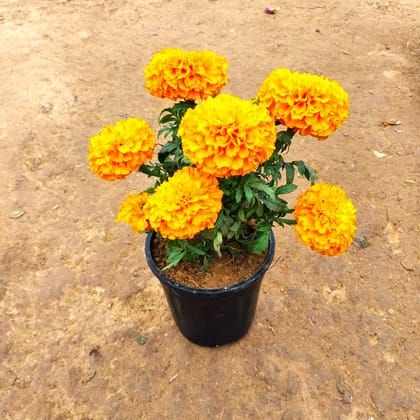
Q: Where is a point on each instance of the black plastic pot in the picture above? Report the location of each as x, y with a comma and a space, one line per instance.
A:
211, 317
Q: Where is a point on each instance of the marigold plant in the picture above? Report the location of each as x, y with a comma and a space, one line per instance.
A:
121, 149
308, 103
220, 171
326, 219
185, 75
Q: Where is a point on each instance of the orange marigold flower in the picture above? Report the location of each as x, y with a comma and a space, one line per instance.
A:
185, 204
121, 149
131, 212
190, 75
226, 136
326, 219
310, 104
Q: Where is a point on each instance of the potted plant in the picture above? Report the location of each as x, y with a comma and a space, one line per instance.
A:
220, 181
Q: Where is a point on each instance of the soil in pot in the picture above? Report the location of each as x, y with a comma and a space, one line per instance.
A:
224, 271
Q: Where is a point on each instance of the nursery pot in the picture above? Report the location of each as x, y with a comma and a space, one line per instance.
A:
211, 317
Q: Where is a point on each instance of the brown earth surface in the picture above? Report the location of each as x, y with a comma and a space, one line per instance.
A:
333, 338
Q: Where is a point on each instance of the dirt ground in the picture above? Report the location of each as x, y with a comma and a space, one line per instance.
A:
333, 338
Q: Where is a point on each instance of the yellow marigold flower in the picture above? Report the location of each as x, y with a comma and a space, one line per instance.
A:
190, 75
226, 136
131, 212
310, 104
185, 204
121, 149
326, 219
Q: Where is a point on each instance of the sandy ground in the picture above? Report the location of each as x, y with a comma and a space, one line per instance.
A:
333, 338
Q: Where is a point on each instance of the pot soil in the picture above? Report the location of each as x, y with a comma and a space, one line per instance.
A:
224, 271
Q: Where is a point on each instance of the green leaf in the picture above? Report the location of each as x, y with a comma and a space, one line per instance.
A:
169, 147
235, 228
248, 194
286, 189
195, 250
273, 205
260, 209
305, 170
264, 187
287, 221
165, 111
167, 118
284, 140
290, 173
175, 254
239, 194
185, 162
310, 174
260, 241
300, 165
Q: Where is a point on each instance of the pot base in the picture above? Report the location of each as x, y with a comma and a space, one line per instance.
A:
212, 320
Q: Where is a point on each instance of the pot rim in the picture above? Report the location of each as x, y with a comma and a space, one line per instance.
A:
215, 291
